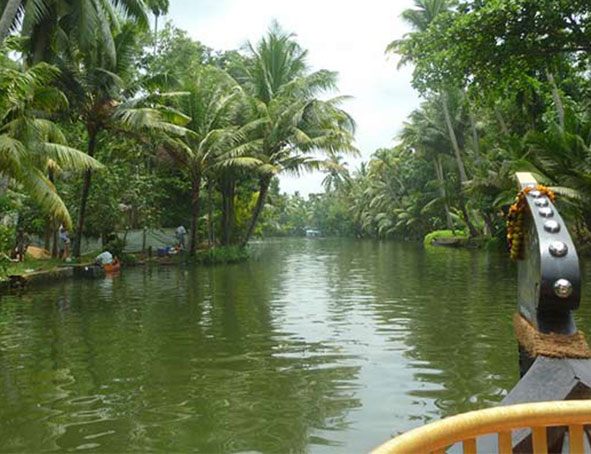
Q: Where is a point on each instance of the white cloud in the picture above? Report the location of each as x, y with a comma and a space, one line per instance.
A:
344, 36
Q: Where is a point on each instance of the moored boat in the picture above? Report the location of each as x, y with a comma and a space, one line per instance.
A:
112, 267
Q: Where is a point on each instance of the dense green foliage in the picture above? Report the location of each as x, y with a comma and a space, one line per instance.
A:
506, 88
125, 127
173, 132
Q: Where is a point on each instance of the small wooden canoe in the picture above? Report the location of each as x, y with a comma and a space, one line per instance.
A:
112, 267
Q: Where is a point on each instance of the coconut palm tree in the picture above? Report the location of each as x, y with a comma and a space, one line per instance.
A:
105, 97
158, 8
293, 121
8, 18
31, 144
337, 173
423, 133
54, 27
215, 141
419, 18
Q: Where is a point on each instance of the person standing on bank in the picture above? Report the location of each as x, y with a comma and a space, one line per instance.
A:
180, 233
64, 243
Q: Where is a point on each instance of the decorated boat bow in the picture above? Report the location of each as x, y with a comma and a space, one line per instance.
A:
554, 357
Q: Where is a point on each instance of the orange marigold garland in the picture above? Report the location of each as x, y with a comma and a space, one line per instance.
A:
516, 217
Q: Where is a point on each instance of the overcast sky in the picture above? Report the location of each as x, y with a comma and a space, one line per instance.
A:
348, 36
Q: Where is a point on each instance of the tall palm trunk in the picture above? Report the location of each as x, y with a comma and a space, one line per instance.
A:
461, 168
92, 133
472, 118
442, 192
228, 189
488, 223
467, 220
210, 231
195, 207
55, 250
7, 18
41, 46
155, 33
501, 120
557, 99
50, 223
475, 143
454, 140
264, 188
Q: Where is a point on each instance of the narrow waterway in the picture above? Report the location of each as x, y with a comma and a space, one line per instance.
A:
319, 346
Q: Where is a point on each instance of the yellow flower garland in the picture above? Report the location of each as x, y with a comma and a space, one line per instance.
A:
515, 220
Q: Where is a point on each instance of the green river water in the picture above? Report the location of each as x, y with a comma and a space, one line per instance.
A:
319, 346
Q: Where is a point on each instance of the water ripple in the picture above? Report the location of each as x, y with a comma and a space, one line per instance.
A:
321, 346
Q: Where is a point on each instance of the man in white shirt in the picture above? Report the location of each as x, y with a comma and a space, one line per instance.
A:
104, 258
180, 233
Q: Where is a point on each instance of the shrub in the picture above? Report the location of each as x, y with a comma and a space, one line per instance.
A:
7, 238
439, 234
230, 254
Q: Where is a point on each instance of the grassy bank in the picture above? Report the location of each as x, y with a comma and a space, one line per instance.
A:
445, 237
461, 240
214, 256
221, 255
30, 265
231, 254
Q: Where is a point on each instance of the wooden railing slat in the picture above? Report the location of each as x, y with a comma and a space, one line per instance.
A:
505, 443
575, 435
540, 442
469, 446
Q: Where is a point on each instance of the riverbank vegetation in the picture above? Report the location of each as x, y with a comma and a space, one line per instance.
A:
107, 125
505, 87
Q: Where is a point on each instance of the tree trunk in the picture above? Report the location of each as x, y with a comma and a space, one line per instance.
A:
7, 19
557, 100
474, 134
471, 228
155, 33
501, 121
475, 143
264, 188
228, 190
460, 163
210, 231
47, 235
443, 194
454, 140
55, 250
144, 235
40, 47
194, 214
224, 220
84, 198
488, 223
50, 222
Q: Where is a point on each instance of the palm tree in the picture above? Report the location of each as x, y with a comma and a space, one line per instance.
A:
423, 133
419, 19
214, 141
8, 18
104, 98
33, 145
158, 8
336, 173
293, 121
56, 27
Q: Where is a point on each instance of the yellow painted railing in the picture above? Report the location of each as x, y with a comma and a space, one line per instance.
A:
465, 428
